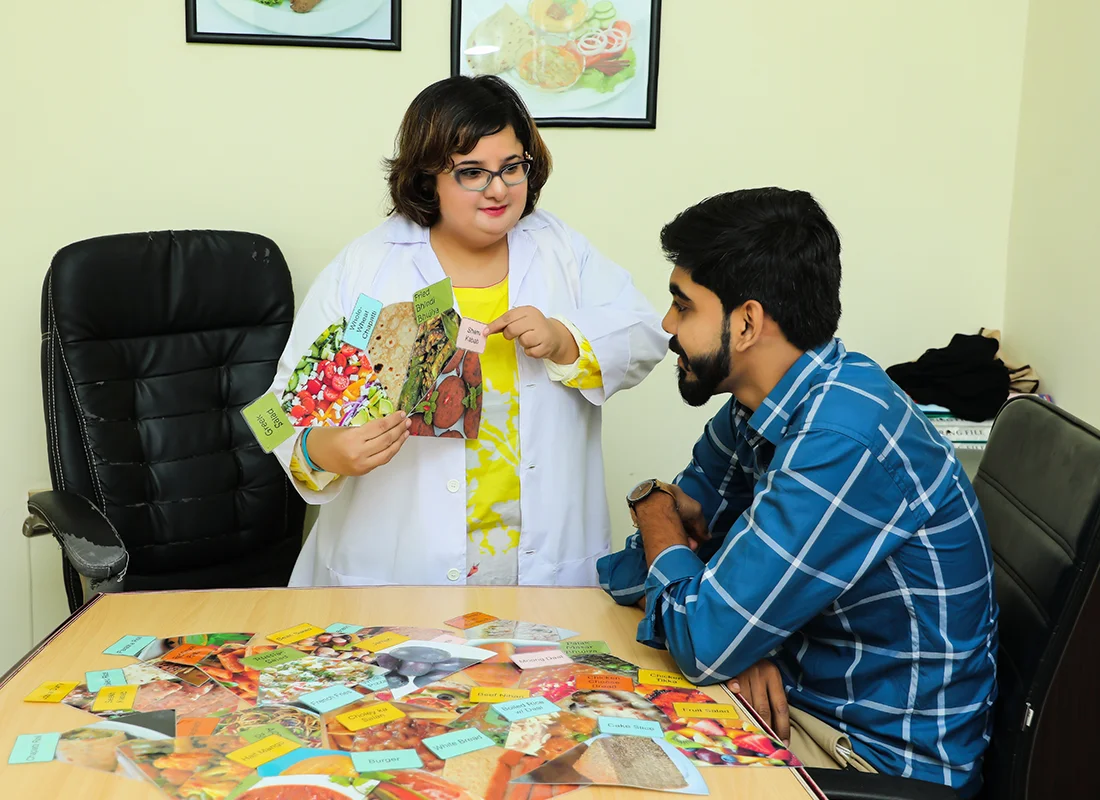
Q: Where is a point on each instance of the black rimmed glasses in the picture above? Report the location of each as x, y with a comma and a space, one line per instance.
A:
477, 179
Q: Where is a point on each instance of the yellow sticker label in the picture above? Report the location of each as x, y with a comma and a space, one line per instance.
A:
261, 752
295, 634
381, 641
369, 716
115, 698
654, 677
705, 711
488, 694
50, 692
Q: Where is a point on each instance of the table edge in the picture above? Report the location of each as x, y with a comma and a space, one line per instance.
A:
18, 666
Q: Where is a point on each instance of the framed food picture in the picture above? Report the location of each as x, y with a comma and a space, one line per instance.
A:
576, 63
310, 23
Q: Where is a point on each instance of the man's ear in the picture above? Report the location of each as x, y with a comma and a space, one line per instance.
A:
746, 325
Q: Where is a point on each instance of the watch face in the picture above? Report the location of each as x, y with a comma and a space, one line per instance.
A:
641, 490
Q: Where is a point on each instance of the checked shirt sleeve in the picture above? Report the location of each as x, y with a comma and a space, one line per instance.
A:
825, 513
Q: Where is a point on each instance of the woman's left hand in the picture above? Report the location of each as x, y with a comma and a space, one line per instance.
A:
538, 336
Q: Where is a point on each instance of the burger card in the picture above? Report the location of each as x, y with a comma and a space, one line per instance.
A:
409, 357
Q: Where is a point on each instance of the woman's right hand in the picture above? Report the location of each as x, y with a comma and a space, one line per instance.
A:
359, 450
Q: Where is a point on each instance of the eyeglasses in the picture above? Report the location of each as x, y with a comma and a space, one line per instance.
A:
476, 179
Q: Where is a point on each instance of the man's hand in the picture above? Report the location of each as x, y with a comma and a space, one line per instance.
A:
357, 451
762, 686
660, 525
691, 514
538, 336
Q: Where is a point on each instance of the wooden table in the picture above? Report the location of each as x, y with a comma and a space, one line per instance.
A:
78, 646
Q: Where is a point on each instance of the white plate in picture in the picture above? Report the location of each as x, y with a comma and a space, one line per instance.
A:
325, 18
564, 103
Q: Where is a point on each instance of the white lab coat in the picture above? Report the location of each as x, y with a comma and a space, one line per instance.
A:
405, 522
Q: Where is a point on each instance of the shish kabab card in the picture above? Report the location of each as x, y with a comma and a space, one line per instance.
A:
419, 357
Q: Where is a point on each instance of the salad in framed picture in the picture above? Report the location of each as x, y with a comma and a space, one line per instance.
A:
575, 63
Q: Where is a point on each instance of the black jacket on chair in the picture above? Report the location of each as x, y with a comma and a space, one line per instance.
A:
152, 343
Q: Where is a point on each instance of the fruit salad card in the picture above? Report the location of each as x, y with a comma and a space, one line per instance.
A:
401, 357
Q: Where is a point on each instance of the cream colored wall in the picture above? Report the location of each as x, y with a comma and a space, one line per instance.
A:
900, 117
1051, 316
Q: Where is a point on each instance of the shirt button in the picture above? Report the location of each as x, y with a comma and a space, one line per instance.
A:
452, 487
453, 574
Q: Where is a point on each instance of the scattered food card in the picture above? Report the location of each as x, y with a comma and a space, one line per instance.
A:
515, 710
470, 620
472, 335
414, 664
542, 658
130, 646
196, 726
654, 677
515, 629
104, 677
34, 748
386, 760
295, 634
51, 692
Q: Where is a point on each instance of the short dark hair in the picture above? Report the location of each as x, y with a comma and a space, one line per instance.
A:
771, 245
451, 116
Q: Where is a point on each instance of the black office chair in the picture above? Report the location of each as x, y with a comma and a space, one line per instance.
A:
151, 345
1039, 487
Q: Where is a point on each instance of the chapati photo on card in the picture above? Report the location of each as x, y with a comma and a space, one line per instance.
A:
374, 24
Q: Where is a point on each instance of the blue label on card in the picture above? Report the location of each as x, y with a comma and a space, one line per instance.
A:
34, 748
104, 677
339, 627
630, 727
384, 760
130, 646
361, 324
330, 698
515, 710
375, 684
458, 743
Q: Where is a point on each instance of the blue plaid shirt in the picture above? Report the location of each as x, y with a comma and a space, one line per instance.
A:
850, 548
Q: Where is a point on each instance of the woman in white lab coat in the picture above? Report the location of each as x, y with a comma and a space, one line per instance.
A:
524, 503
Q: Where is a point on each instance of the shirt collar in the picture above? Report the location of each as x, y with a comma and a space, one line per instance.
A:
771, 418
402, 230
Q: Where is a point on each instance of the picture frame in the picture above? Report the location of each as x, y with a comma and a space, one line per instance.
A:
373, 24
575, 63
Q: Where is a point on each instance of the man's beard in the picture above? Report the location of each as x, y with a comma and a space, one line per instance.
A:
707, 372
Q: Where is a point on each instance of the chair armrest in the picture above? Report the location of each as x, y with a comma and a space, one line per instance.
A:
843, 784
87, 538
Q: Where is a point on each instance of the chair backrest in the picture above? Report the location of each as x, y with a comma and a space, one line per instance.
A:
1039, 488
152, 343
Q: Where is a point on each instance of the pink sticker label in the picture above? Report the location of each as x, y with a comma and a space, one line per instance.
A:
471, 335
544, 658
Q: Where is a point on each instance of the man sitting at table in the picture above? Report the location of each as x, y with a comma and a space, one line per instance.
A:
823, 547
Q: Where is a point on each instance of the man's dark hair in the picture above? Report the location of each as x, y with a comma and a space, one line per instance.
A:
770, 245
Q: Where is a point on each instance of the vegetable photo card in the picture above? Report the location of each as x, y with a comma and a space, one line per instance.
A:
400, 357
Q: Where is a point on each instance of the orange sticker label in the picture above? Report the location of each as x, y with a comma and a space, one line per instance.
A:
188, 654
604, 683
471, 620
196, 726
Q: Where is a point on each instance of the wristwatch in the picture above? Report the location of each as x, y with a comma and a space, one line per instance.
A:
644, 490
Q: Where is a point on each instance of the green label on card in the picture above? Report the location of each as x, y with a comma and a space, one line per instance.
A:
254, 735
579, 648
433, 300
269, 423
34, 748
273, 658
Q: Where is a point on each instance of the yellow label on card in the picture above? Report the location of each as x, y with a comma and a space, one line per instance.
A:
488, 694
705, 711
369, 716
115, 698
381, 641
261, 752
51, 692
295, 634
654, 677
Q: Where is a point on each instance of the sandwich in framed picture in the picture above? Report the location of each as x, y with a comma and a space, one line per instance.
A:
575, 63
